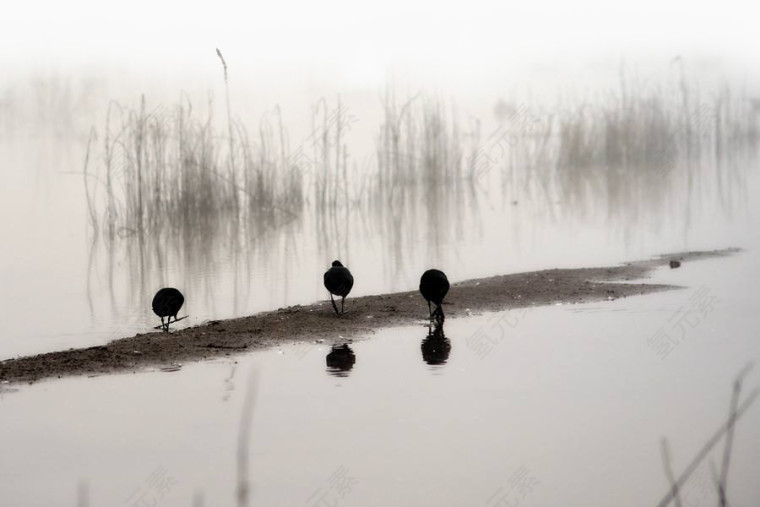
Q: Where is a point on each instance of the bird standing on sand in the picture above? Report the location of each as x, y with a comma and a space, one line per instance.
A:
434, 285
166, 303
338, 281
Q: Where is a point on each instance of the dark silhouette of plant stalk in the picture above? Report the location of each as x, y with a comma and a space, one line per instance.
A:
702, 454
233, 176
244, 442
668, 467
730, 436
90, 204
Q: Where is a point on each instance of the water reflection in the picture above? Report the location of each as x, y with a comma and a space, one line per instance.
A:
340, 361
435, 346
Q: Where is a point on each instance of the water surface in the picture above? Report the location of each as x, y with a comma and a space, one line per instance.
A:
556, 404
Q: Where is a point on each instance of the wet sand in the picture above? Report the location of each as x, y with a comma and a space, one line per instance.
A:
363, 315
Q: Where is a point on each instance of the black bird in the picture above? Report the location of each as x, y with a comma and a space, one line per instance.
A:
338, 281
166, 303
434, 285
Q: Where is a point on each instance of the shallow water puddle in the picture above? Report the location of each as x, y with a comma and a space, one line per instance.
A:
564, 404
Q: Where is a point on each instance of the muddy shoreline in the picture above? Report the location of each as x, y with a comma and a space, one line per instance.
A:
364, 315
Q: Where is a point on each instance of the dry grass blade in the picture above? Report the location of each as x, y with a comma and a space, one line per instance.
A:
712, 442
224, 63
668, 466
722, 484
90, 204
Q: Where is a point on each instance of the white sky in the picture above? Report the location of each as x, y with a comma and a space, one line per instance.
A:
360, 40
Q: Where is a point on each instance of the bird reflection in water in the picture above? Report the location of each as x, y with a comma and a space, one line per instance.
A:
435, 346
340, 360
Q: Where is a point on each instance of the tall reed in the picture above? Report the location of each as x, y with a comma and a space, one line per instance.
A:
169, 169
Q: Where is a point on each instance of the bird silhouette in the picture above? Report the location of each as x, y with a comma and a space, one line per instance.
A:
434, 285
340, 360
338, 281
166, 303
435, 346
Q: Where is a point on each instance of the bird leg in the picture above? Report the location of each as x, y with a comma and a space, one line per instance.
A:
342, 302
163, 326
335, 307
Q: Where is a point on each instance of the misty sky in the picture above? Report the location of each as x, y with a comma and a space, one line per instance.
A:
360, 40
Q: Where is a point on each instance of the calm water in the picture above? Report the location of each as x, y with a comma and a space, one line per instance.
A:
567, 405
562, 404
